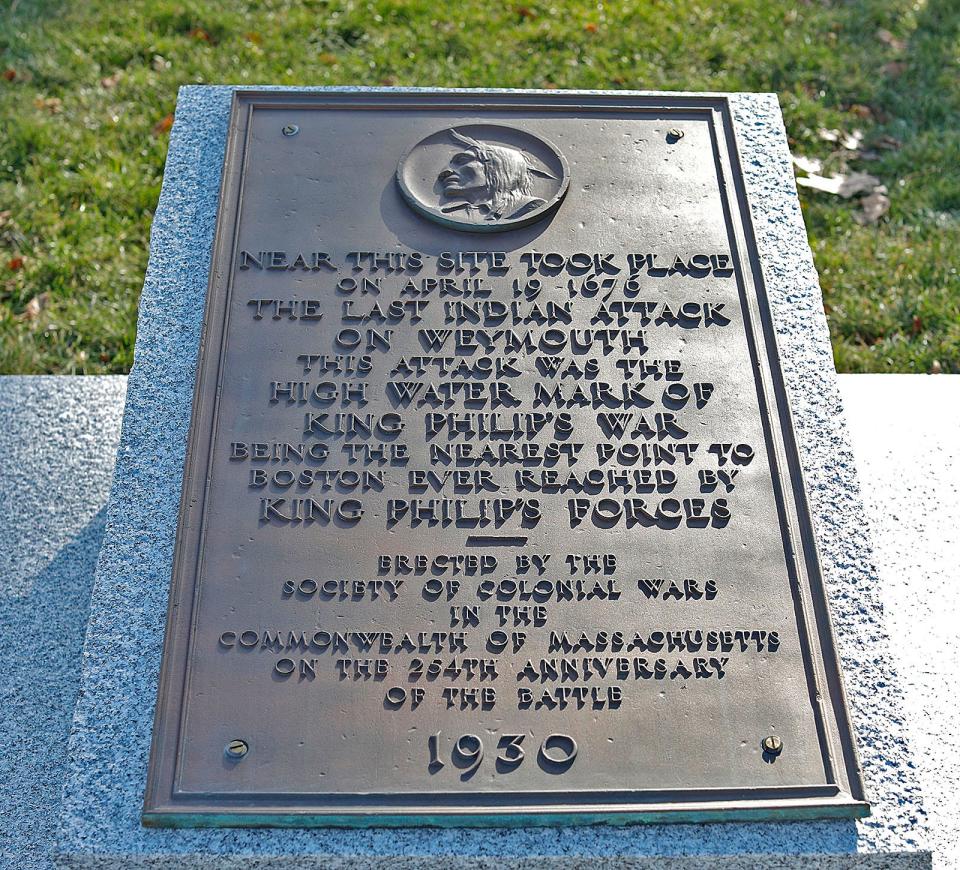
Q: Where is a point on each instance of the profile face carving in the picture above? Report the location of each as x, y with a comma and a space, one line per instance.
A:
489, 182
496, 179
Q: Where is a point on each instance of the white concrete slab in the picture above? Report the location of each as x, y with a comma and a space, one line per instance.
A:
905, 431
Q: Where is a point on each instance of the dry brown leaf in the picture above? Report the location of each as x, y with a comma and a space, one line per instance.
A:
851, 141
54, 105
525, 12
199, 33
15, 263
590, 27
872, 208
841, 185
895, 68
10, 74
109, 82
389, 81
163, 125
858, 182
887, 38
35, 306
861, 111
819, 182
809, 165
255, 38
327, 58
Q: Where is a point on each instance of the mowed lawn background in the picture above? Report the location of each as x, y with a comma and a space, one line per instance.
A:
88, 91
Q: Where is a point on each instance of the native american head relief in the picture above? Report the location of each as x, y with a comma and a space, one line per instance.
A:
496, 181
483, 177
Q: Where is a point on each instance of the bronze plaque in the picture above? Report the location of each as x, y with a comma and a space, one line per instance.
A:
492, 510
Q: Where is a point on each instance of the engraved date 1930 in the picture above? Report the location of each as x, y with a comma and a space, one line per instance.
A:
556, 754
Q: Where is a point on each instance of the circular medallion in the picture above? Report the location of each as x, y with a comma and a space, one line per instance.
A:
483, 178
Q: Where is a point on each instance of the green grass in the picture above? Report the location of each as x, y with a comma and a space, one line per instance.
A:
81, 161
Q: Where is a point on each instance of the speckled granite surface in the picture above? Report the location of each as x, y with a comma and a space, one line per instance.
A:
58, 437
111, 733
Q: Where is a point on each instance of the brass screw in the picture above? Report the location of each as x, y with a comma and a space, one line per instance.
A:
290, 130
772, 744
236, 749
674, 133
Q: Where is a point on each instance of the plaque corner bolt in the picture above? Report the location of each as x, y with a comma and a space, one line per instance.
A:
772, 744
674, 134
290, 130
236, 749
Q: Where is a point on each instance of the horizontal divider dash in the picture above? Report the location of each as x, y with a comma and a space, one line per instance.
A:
496, 541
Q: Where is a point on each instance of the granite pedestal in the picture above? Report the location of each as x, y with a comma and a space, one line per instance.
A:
910, 472
100, 820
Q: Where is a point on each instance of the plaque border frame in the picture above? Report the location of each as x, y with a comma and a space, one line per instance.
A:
843, 797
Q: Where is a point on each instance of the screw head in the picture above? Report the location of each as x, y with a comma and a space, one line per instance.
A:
236, 749
772, 744
290, 130
674, 134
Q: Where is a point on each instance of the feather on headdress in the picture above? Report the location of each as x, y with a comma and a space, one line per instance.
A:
480, 148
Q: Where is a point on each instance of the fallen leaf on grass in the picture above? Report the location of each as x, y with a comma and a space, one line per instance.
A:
861, 111
255, 38
10, 74
15, 263
54, 105
809, 165
160, 63
887, 38
389, 81
872, 208
851, 141
35, 306
108, 82
327, 58
841, 185
199, 33
163, 125
916, 327
858, 182
895, 68
525, 12
590, 27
